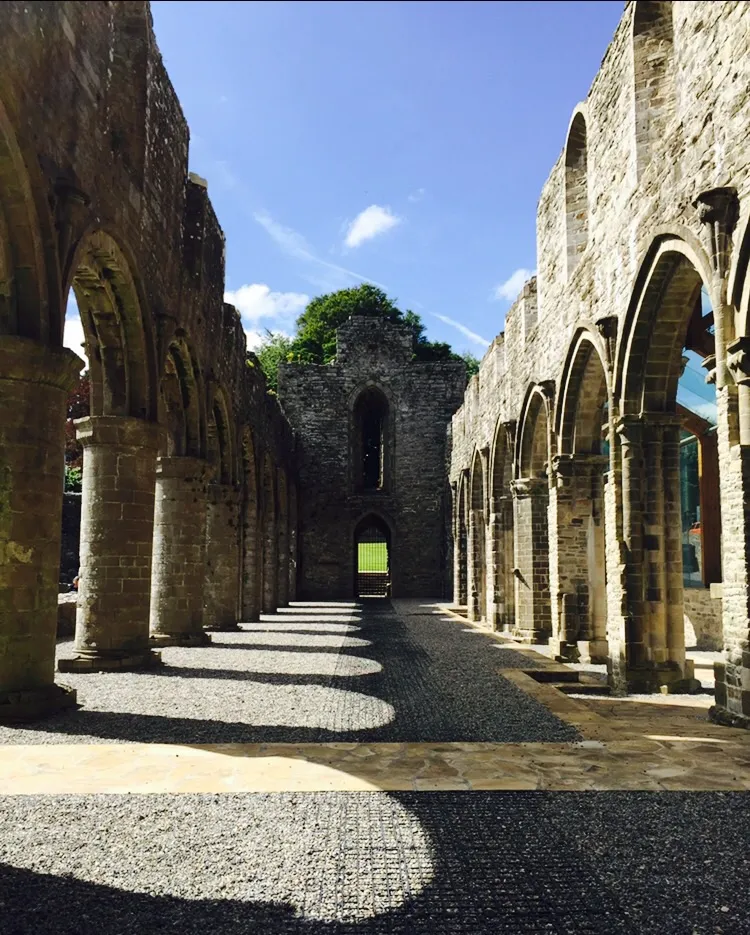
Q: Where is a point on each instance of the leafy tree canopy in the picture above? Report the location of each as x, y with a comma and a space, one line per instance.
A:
315, 340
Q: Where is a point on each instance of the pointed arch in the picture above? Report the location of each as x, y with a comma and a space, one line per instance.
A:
500, 560
184, 413
371, 444
585, 395
373, 542
117, 329
477, 564
576, 189
460, 587
534, 444
220, 444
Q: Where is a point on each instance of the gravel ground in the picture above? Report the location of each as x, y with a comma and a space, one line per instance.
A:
313, 674
376, 864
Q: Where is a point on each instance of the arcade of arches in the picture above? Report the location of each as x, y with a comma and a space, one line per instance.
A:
599, 461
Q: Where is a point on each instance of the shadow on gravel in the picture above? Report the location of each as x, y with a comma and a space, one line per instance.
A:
442, 684
502, 864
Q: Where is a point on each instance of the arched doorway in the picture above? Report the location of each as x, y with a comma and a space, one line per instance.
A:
500, 562
372, 548
477, 597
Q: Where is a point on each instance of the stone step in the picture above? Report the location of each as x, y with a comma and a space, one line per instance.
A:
553, 675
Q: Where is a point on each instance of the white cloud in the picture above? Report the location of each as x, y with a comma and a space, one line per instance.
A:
73, 336
257, 301
369, 223
510, 289
471, 335
418, 195
294, 244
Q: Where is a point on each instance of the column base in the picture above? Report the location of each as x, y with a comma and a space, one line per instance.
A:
35, 703
223, 628
531, 636
96, 663
666, 679
181, 639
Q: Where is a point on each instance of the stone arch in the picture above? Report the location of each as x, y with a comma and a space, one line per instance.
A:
531, 493
184, 415
460, 538
29, 283
117, 331
251, 546
269, 537
739, 283
578, 561
663, 308
501, 608
653, 76
371, 439
533, 447
477, 565
576, 189
220, 447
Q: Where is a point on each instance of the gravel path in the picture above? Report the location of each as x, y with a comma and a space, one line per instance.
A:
376, 864
313, 674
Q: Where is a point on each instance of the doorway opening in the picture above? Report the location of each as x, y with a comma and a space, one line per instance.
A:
372, 558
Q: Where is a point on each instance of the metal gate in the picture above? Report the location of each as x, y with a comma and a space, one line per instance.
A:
373, 570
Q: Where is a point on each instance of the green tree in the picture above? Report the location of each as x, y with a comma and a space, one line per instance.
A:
472, 364
275, 349
315, 340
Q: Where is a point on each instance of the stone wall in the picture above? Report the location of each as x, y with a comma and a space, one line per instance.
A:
319, 402
648, 202
95, 196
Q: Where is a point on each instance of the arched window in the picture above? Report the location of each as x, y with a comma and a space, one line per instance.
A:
576, 192
652, 74
370, 463
372, 542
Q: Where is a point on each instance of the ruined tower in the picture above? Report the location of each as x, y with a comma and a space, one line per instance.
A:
372, 456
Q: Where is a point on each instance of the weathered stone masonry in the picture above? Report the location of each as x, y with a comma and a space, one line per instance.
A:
415, 400
95, 196
567, 445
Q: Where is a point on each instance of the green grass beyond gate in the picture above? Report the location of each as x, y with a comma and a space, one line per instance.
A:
372, 557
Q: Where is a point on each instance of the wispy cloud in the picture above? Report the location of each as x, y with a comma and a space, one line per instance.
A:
467, 332
510, 289
263, 310
370, 223
418, 195
295, 245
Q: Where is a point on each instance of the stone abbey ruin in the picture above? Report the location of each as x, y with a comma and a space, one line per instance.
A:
570, 496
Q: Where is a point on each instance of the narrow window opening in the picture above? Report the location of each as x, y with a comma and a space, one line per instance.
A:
369, 449
372, 451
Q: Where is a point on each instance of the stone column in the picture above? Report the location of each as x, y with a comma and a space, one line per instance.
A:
476, 569
117, 526
269, 597
222, 573
251, 559
34, 383
533, 612
179, 553
283, 565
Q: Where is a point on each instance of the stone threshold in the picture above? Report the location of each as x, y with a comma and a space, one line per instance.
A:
655, 763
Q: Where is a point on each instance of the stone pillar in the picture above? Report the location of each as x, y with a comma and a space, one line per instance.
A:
251, 559
222, 574
179, 553
533, 612
34, 383
293, 520
577, 558
655, 647
117, 527
269, 597
283, 563
476, 569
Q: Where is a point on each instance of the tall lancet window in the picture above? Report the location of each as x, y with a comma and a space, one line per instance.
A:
370, 434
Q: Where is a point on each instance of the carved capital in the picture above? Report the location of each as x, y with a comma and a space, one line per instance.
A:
525, 487
607, 328
738, 360
709, 365
565, 467
719, 209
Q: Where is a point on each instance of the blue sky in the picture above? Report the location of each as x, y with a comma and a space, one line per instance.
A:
404, 143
